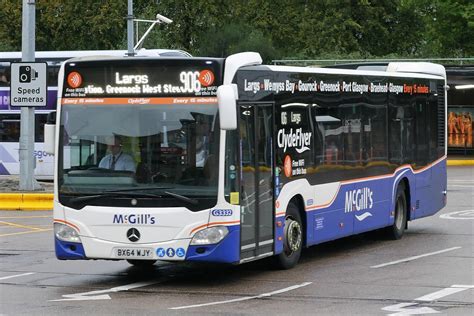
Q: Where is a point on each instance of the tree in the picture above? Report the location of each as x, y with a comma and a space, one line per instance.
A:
451, 32
191, 21
234, 38
10, 28
62, 25
277, 29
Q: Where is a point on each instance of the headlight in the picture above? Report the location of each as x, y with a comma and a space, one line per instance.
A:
211, 235
66, 233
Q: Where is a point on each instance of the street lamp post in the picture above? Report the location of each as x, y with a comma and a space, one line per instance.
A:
159, 19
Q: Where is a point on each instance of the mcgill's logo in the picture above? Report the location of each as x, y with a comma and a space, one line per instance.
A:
134, 219
358, 200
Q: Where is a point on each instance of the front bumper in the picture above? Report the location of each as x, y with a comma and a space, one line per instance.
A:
226, 251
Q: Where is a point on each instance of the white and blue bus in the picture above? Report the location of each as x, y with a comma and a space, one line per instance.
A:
10, 116
235, 161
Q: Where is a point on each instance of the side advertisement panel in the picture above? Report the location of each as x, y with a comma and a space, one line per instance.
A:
10, 161
460, 127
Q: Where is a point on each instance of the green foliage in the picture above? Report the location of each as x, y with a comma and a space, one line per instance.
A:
71, 25
277, 29
10, 28
234, 38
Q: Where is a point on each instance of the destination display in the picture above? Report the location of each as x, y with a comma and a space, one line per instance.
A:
149, 78
337, 86
324, 83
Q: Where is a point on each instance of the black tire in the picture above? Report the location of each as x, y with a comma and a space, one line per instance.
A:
141, 263
396, 231
292, 239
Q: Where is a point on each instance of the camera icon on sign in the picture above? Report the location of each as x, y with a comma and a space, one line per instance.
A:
27, 74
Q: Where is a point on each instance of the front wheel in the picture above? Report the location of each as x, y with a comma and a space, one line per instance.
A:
398, 228
292, 239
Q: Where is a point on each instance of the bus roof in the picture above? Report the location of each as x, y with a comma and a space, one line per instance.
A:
63, 55
434, 72
400, 67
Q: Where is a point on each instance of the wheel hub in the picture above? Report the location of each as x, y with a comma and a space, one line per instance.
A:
293, 234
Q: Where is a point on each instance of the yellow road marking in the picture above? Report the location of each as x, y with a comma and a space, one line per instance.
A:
20, 226
29, 232
33, 216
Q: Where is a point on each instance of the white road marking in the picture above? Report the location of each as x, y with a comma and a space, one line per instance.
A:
467, 214
402, 309
444, 292
414, 258
16, 276
99, 294
460, 186
439, 294
460, 180
240, 299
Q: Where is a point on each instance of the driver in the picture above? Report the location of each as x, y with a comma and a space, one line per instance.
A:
117, 159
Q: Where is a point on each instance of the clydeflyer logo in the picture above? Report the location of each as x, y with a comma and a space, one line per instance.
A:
74, 79
206, 78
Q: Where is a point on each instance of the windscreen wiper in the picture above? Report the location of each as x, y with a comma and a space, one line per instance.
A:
139, 189
119, 193
175, 195
182, 197
108, 194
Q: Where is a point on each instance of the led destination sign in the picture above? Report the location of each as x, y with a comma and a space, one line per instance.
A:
134, 78
255, 85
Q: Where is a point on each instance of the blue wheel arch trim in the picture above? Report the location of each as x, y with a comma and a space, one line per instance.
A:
226, 251
69, 250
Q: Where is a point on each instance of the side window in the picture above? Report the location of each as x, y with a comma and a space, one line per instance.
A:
53, 71
352, 133
329, 132
402, 142
374, 124
4, 74
40, 120
9, 127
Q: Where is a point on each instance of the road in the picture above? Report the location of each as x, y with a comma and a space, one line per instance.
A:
430, 270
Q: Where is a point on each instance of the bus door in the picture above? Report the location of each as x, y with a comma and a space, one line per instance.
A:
257, 165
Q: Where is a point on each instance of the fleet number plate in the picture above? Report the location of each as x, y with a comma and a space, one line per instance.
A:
138, 253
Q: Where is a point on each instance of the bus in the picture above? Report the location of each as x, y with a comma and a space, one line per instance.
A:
235, 161
10, 116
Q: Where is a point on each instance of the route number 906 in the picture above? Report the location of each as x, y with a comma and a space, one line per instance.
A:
190, 81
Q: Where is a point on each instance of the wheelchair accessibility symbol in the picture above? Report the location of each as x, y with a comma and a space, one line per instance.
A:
180, 252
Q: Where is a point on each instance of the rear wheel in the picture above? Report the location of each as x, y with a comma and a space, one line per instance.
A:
141, 263
398, 228
292, 239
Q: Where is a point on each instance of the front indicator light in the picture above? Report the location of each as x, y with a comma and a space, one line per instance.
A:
209, 236
66, 233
